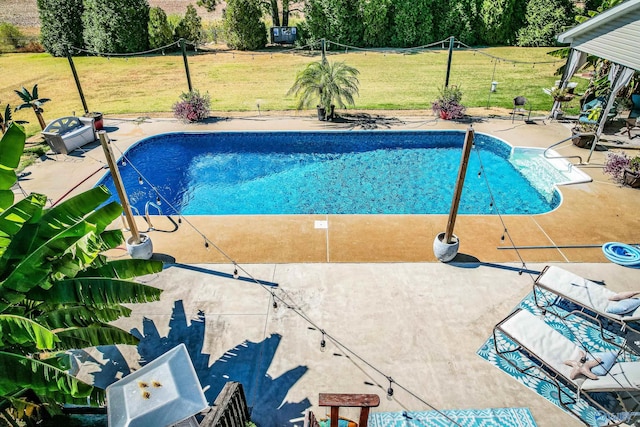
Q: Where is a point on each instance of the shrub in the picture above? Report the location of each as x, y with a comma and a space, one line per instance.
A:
192, 106
116, 26
61, 25
448, 105
544, 20
11, 38
190, 26
160, 32
243, 25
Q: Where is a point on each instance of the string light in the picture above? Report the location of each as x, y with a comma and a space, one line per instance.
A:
274, 303
158, 201
390, 389
323, 343
140, 180
124, 162
206, 244
235, 273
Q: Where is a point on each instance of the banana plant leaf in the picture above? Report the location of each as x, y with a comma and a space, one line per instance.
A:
29, 266
77, 207
20, 372
11, 148
64, 316
95, 291
13, 218
78, 338
17, 330
124, 269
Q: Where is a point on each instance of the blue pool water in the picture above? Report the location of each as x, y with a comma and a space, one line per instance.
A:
356, 172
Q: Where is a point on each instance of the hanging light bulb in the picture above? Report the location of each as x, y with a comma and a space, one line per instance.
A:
179, 220
323, 344
235, 273
491, 204
390, 389
502, 238
206, 244
479, 174
124, 162
140, 180
275, 303
158, 201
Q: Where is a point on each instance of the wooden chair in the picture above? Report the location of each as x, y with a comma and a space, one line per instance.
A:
335, 401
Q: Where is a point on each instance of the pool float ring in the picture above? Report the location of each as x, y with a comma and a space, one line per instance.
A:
621, 253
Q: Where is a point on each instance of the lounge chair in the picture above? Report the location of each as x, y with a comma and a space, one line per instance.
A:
551, 349
586, 294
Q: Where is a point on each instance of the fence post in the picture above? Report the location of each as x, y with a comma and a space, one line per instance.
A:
183, 45
324, 51
75, 77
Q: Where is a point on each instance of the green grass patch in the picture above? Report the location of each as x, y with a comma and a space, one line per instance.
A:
240, 81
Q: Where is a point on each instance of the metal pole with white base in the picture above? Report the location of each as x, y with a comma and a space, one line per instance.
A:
138, 245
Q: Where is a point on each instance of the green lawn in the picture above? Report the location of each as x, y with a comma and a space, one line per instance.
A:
241, 80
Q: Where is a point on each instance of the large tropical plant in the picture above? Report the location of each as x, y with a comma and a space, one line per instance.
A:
6, 120
57, 291
31, 100
327, 84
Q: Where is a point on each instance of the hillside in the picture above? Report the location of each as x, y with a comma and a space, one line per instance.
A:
24, 13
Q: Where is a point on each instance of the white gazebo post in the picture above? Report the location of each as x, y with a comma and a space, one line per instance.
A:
139, 245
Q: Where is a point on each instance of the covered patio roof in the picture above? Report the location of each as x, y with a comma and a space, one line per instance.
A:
613, 35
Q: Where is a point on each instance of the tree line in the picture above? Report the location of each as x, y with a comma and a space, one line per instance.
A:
122, 26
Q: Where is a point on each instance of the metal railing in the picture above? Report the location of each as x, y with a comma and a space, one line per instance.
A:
578, 135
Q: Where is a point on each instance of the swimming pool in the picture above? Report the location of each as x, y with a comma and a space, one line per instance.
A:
331, 172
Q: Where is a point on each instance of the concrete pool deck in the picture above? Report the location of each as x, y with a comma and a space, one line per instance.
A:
370, 281
590, 214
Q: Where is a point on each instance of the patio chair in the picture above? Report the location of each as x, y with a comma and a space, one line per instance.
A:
634, 113
551, 349
593, 299
519, 107
586, 112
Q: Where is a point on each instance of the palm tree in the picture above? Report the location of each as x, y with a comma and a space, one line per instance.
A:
31, 100
328, 84
57, 292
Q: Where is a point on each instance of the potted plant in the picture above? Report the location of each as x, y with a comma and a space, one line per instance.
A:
584, 130
328, 84
448, 106
561, 95
623, 169
97, 119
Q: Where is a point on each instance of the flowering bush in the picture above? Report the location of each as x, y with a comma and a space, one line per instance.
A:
616, 163
192, 106
448, 106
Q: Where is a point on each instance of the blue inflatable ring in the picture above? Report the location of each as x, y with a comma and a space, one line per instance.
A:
621, 253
